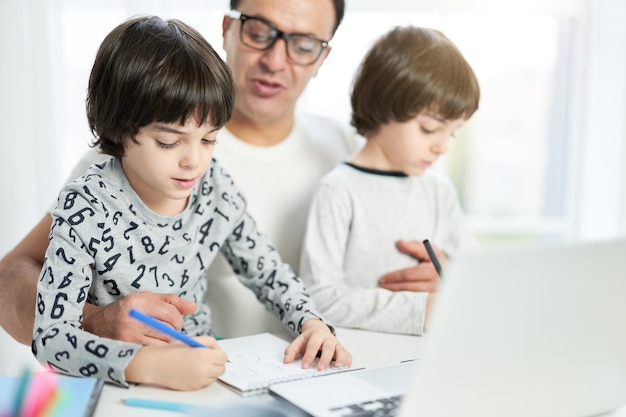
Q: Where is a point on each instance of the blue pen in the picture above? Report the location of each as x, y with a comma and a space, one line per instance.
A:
164, 328
162, 405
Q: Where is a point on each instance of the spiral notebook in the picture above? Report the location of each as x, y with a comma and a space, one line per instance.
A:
255, 362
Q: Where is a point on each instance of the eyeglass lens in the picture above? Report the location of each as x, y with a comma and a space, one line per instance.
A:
257, 34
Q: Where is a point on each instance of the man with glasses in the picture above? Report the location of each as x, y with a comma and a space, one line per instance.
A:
276, 156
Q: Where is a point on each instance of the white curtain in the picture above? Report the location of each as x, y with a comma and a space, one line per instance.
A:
602, 168
28, 155
28, 119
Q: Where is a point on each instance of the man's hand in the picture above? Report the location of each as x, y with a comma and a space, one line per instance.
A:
112, 321
419, 278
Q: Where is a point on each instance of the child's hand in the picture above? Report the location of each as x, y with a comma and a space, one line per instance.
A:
178, 366
316, 339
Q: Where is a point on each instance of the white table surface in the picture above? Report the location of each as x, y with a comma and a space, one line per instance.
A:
369, 349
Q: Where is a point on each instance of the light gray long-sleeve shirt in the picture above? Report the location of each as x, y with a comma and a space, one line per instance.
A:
105, 244
356, 217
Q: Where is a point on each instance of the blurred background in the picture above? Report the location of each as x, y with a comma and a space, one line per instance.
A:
540, 162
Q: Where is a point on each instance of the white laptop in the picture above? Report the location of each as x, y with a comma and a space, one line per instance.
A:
519, 332
350, 393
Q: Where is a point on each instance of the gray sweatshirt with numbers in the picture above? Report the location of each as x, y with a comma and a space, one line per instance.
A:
105, 244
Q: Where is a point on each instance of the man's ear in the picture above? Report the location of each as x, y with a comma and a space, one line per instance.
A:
225, 25
321, 60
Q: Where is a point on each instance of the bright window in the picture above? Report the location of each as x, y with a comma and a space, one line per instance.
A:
510, 162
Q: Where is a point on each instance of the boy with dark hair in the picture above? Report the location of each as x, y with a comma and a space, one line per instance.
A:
154, 216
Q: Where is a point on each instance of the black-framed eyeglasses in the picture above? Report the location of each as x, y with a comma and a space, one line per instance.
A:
257, 33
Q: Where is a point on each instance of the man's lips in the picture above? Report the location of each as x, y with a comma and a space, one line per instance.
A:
267, 88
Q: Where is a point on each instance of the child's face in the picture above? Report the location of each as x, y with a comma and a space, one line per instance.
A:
167, 161
414, 145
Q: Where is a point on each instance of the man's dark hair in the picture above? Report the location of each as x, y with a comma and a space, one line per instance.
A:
339, 5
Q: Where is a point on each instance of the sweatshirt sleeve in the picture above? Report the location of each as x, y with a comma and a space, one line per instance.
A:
255, 260
59, 340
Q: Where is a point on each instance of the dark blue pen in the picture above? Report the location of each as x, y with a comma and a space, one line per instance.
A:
433, 258
164, 328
